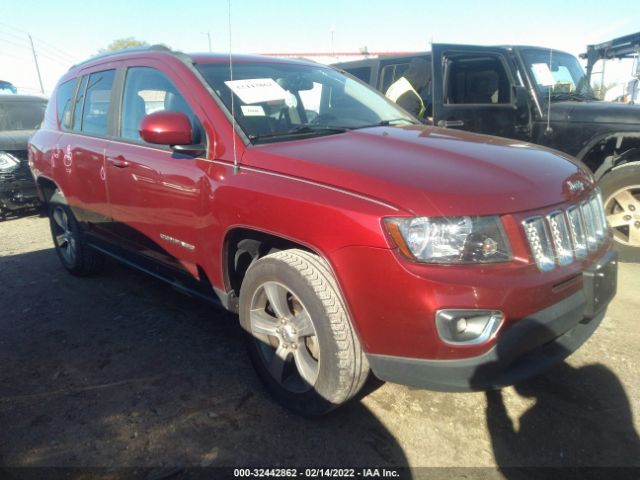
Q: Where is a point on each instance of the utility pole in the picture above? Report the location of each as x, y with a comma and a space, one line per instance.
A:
35, 59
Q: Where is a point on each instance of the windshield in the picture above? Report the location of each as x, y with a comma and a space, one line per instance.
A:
21, 115
556, 73
281, 101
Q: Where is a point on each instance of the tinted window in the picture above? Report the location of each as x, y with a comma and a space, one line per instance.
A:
21, 115
476, 79
391, 73
95, 110
77, 105
361, 73
64, 100
148, 90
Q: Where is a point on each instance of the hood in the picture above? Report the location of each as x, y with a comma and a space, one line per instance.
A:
428, 170
15, 139
595, 112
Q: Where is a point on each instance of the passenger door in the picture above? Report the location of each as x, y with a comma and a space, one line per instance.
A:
80, 156
474, 89
155, 194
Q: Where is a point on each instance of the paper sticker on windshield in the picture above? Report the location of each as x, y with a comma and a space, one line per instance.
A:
543, 75
252, 110
257, 90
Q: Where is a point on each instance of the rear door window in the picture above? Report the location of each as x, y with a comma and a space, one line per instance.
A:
97, 98
77, 104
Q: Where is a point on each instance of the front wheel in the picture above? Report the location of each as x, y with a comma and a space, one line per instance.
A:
621, 197
300, 339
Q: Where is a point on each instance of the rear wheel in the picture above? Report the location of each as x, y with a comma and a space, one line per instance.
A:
74, 254
621, 197
298, 334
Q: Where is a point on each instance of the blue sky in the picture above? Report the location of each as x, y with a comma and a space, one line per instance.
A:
67, 31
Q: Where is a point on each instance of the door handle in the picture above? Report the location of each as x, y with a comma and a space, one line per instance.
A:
450, 123
118, 161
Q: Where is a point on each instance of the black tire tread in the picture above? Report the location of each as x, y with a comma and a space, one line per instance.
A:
89, 261
352, 362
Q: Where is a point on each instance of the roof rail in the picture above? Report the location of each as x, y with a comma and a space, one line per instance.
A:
149, 48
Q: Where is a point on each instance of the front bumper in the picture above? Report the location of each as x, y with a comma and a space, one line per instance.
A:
524, 350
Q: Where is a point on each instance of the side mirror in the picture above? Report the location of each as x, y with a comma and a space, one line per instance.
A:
522, 110
166, 128
521, 96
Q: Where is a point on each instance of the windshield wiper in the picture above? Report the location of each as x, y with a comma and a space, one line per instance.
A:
387, 123
301, 130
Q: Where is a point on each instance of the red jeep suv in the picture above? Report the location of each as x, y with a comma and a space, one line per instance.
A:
347, 236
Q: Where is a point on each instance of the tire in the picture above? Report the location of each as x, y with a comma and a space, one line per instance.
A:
74, 254
621, 197
298, 334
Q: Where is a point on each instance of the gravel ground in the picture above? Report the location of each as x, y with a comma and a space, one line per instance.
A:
120, 370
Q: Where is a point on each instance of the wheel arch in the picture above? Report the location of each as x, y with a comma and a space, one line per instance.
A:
46, 188
607, 151
243, 246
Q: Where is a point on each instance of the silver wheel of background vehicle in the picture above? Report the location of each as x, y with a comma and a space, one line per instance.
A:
621, 196
63, 236
622, 208
285, 336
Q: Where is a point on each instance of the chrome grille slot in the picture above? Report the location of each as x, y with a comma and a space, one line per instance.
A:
601, 226
578, 236
589, 224
561, 236
539, 242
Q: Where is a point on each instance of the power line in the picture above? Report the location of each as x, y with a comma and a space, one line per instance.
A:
57, 60
45, 43
5, 54
42, 49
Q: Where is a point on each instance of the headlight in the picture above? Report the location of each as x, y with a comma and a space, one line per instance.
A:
450, 239
8, 162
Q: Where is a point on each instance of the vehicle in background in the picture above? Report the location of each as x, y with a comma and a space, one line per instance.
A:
621, 48
347, 236
20, 116
7, 87
537, 95
627, 92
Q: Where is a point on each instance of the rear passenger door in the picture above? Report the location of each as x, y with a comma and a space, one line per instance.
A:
474, 89
81, 149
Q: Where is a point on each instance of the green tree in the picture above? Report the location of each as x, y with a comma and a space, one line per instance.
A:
121, 43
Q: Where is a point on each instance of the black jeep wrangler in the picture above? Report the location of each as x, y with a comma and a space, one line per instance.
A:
534, 94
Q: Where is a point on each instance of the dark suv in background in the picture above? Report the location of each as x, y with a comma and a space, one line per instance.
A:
20, 116
536, 95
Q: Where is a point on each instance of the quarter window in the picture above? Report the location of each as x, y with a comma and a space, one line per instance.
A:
95, 112
64, 101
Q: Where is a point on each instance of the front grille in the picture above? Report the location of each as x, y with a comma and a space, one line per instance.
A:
564, 236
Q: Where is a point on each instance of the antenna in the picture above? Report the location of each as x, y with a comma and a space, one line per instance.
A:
233, 111
548, 130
